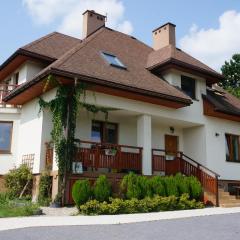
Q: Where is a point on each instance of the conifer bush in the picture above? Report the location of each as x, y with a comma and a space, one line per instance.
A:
102, 189
81, 192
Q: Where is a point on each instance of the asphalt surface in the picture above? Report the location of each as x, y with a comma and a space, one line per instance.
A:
219, 227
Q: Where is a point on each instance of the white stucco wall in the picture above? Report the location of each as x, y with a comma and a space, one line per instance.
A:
194, 143
26, 72
216, 149
196, 132
34, 131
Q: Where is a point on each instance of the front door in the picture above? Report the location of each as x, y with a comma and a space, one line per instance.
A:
171, 147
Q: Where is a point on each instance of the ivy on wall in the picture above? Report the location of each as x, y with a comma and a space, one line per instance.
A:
64, 108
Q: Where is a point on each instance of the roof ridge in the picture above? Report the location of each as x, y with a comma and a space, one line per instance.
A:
130, 36
76, 48
38, 40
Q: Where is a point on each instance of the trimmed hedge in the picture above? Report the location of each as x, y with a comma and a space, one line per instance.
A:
155, 204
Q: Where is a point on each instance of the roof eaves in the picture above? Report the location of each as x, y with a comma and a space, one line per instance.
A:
186, 65
89, 79
121, 86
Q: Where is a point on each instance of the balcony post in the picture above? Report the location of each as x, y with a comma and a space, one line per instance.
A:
144, 140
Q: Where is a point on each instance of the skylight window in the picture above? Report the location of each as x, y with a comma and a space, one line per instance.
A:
113, 60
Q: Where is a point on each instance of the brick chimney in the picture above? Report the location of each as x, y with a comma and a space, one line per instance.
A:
164, 36
91, 22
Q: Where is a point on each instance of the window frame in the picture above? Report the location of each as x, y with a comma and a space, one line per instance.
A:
232, 160
10, 140
187, 78
121, 65
103, 126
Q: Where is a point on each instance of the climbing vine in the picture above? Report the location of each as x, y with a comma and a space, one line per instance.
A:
64, 108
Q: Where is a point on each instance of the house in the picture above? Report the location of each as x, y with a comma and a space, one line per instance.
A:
168, 114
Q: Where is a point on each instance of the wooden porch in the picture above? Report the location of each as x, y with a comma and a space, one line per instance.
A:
93, 158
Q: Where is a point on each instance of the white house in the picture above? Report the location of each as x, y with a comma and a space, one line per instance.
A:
169, 115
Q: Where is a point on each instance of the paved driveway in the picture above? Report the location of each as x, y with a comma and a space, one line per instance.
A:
219, 227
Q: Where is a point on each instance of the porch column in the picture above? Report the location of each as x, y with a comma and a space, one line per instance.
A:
144, 140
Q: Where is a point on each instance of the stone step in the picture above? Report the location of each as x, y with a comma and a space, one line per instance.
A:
228, 202
226, 205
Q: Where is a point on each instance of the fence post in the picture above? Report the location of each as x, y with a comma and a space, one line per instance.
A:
217, 193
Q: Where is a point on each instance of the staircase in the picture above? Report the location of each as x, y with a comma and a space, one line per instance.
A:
189, 167
225, 199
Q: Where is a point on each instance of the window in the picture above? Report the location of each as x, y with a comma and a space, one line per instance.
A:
232, 148
104, 132
188, 86
5, 136
113, 60
16, 78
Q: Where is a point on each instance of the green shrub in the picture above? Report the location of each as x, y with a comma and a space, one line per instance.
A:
45, 186
182, 184
156, 185
171, 187
102, 189
4, 198
195, 188
81, 192
17, 179
155, 204
130, 186
135, 186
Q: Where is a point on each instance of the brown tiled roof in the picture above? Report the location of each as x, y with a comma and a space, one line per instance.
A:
85, 59
223, 101
170, 53
53, 45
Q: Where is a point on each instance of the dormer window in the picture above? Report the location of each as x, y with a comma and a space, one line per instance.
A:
16, 78
113, 60
188, 85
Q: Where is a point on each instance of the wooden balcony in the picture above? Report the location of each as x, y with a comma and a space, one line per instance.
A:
95, 156
116, 157
5, 89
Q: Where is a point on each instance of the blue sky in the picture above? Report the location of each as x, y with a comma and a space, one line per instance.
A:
22, 21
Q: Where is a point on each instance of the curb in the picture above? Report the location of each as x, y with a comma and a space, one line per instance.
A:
48, 221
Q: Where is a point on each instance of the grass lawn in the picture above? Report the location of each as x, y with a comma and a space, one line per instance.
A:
17, 209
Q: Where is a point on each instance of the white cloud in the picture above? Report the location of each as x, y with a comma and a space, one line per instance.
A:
68, 13
214, 46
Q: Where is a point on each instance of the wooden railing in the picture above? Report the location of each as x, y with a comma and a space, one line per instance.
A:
5, 89
188, 167
112, 156
103, 155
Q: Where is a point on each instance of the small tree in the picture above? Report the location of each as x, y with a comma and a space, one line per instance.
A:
231, 73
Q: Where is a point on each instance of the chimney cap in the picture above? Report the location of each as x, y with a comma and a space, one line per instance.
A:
168, 23
92, 11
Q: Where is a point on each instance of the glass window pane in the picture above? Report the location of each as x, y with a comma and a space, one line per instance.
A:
111, 133
188, 86
5, 136
96, 134
235, 148
113, 60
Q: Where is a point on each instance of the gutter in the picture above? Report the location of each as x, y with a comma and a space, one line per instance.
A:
89, 79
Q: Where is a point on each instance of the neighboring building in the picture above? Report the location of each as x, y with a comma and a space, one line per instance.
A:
170, 115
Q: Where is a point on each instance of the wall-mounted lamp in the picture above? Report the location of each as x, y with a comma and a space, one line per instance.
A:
217, 134
172, 129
